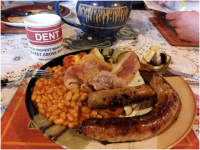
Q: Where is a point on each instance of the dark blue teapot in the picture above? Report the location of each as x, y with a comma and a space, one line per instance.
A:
100, 18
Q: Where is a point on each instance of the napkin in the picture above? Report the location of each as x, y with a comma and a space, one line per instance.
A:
154, 6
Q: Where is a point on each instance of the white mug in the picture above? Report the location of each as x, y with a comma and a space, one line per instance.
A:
44, 35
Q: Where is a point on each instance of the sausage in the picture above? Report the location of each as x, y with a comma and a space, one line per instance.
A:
120, 96
138, 127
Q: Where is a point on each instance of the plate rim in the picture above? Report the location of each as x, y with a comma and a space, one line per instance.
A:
76, 52
192, 122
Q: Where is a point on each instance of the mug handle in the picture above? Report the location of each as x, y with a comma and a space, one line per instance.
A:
56, 4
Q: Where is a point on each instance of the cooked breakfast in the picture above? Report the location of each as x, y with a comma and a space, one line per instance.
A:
119, 97
155, 60
97, 97
139, 127
16, 19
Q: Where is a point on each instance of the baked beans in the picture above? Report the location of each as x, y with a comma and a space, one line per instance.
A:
61, 105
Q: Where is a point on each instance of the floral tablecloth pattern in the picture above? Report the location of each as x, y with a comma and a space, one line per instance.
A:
16, 60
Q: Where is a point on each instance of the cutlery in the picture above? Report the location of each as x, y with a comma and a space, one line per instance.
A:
15, 13
177, 73
21, 13
31, 74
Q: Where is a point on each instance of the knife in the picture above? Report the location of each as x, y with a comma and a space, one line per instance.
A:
23, 13
15, 13
169, 71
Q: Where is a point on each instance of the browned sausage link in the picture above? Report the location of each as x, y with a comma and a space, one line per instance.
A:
120, 96
139, 127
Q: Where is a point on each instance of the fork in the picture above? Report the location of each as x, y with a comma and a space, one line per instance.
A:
30, 74
168, 71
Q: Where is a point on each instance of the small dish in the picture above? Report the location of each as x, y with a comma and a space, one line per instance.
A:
166, 59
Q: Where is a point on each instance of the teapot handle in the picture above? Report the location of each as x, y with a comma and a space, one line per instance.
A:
56, 4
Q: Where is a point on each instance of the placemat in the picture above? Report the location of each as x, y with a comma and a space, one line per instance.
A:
168, 32
19, 133
17, 130
11, 30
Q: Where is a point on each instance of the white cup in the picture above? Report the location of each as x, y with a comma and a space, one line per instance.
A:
44, 35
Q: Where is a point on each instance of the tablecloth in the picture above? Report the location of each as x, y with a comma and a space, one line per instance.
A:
16, 60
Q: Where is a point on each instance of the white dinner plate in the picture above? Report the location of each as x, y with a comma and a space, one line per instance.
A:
13, 24
34, 7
